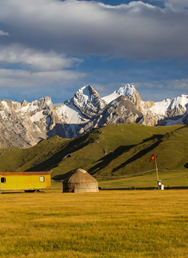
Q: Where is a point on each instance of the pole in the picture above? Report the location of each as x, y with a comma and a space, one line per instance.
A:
156, 169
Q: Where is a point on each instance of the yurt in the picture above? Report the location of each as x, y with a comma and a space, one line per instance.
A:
80, 182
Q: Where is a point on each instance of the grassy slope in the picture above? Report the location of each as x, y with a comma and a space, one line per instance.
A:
171, 150
114, 150
129, 148
14, 159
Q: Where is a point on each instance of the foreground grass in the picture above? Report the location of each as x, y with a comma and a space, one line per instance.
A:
104, 224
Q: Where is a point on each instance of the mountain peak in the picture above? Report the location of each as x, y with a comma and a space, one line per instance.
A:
126, 90
88, 101
24, 103
88, 91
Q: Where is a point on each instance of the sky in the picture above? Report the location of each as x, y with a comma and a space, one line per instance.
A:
53, 48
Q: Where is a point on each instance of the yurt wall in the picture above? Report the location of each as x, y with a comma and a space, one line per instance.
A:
80, 182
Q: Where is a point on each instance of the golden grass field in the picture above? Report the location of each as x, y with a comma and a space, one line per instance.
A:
105, 224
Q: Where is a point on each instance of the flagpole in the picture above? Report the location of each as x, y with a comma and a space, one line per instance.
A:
156, 168
154, 157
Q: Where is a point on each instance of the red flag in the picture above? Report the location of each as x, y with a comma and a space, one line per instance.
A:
153, 157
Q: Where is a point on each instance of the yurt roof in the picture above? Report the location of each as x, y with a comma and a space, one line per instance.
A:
80, 176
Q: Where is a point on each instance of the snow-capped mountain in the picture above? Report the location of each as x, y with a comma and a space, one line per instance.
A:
128, 90
169, 111
88, 101
25, 124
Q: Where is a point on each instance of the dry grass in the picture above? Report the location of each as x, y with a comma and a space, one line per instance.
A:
105, 224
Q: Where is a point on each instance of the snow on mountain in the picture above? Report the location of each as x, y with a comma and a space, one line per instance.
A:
126, 90
180, 101
73, 114
88, 101
82, 96
69, 114
168, 111
162, 107
24, 124
120, 110
37, 116
5, 105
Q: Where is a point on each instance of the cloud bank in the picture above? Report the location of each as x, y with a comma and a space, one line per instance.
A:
36, 60
135, 30
42, 41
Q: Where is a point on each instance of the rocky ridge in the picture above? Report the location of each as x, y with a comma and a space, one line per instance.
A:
24, 124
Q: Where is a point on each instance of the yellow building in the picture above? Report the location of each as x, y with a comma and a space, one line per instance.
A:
27, 181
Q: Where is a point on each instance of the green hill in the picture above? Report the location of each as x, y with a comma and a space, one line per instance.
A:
111, 151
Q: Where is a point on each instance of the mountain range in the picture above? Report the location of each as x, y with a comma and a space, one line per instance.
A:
25, 124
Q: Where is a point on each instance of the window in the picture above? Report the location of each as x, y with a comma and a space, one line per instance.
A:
3, 179
42, 178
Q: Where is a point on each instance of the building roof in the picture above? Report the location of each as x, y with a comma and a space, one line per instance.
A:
42, 173
80, 176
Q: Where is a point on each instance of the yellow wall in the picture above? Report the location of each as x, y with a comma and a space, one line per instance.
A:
25, 182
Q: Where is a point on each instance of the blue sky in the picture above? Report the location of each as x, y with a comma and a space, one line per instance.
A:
52, 47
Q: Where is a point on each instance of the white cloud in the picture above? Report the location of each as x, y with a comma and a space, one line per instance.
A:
36, 60
36, 68
26, 79
162, 89
176, 5
180, 85
2, 33
135, 30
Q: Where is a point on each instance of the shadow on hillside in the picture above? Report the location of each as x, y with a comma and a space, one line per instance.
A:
186, 165
120, 150
154, 138
138, 155
61, 177
72, 146
103, 162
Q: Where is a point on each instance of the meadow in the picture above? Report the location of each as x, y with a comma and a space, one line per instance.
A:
104, 224
169, 178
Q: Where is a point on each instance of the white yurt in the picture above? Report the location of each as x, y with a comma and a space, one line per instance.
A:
80, 182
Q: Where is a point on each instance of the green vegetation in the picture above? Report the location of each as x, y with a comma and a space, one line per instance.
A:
108, 224
170, 179
108, 152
